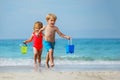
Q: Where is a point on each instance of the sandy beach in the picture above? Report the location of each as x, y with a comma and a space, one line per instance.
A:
51, 74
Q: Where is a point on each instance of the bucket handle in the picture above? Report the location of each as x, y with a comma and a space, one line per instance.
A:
70, 42
25, 44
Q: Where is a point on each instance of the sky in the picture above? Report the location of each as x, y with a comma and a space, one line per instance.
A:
76, 18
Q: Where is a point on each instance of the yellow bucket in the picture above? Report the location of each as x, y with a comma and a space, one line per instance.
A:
24, 48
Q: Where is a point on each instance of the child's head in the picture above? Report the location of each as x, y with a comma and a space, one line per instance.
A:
51, 16
38, 25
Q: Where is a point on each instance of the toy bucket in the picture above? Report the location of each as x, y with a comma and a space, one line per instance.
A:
24, 48
70, 47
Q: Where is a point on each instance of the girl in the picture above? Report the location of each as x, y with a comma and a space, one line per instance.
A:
37, 38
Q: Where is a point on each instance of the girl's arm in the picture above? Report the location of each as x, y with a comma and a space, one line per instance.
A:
28, 40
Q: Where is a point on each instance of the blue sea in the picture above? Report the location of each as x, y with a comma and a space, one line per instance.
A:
86, 51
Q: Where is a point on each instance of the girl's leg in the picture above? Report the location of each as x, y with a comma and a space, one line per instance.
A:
35, 57
39, 57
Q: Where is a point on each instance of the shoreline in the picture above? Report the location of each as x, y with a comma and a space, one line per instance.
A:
63, 67
60, 72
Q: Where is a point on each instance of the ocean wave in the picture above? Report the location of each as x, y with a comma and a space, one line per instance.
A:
87, 58
29, 62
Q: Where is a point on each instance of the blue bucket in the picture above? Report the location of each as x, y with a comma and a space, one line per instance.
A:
70, 47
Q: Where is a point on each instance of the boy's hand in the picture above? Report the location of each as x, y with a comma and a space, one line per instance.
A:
68, 37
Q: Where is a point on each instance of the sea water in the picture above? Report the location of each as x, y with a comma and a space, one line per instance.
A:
86, 51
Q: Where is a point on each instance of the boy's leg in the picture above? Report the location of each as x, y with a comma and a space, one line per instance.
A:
51, 57
47, 60
49, 46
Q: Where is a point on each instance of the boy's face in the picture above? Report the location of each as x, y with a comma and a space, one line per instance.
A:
51, 22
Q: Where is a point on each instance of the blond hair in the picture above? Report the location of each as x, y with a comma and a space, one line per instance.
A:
51, 16
38, 25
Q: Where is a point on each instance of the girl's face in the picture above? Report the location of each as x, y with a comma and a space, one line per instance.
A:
51, 22
37, 29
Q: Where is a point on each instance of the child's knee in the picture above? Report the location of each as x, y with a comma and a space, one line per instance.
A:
51, 51
35, 55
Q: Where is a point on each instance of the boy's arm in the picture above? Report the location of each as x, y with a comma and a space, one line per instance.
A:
41, 29
61, 34
28, 40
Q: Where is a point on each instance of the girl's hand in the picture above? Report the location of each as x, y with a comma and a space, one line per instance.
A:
24, 42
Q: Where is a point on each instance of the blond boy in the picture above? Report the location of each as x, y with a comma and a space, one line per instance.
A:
49, 37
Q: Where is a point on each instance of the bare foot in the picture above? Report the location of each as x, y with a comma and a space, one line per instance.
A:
52, 65
35, 67
39, 65
47, 65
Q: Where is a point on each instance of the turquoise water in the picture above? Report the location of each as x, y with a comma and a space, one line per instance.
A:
86, 50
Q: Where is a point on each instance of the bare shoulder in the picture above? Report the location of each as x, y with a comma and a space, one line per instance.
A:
56, 28
33, 33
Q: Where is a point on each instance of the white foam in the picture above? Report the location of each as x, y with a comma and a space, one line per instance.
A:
15, 62
29, 62
77, 62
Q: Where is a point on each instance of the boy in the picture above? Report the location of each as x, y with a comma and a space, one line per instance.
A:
49, 35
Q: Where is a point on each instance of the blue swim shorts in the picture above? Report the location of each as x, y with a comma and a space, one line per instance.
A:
49, 45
